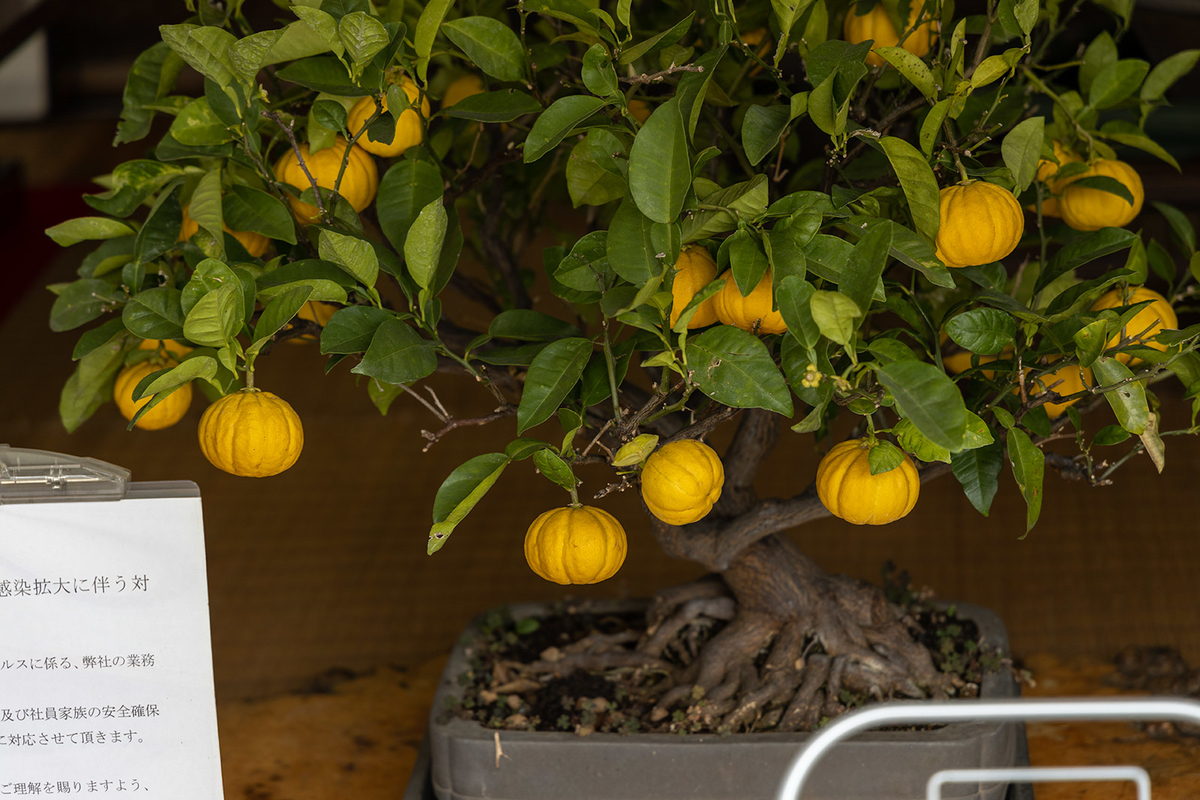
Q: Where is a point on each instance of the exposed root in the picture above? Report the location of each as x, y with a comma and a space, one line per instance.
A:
804, 711
658, 637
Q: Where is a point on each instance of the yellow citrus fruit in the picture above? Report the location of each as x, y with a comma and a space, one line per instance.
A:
314, 311
462, 88
165, 414
408, 126
1086, 209
1046, 170
850, 492
359, 183
575, 545
1154, 318
172, 347
640, 110
959, 362
1070, 379
695, 270
876, 25
251, 433
752, 313
980, 223
255, 243
681, 481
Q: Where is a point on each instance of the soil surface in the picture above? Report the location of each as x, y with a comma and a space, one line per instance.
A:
578, 670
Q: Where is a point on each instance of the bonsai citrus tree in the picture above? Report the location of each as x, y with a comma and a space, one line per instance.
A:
793, 217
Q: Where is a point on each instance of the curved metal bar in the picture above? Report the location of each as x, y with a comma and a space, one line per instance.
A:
944, 711
1139, 776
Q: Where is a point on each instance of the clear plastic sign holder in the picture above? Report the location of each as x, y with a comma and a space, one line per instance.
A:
1016, 710
106, 681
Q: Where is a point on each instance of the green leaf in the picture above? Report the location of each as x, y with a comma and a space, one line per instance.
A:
151, 77
160, 232
978, 471
588, 182
660, 173
407, 188
1090, 341
870, 257
397, 355
552, 375
1154, 443
351, 329
155, 313
928, 397
1021, 149
1117, 82
1085, 250
1029, 467
1101, 53
363, 35
1180, 224
196, 368
1105, 183
1110, 435
586, 268
247, 209
205, 209
490, 44
991, 68
460, 493
91, 385
556, 122
748, 199
81, 302
836, 315
98, 337
279, 312
734, 367
523, 448
197, 125
554, 468
599, 76
912, 68
884, 457
501, 106
917, 443
919, 185
215, 318
426, 31
530, 326
1166, 72
669, 36
1128, 401
354, 255
629, 247
82, 229
761, 128
982, 330
204, 48
932, 125
693, 87
747, 261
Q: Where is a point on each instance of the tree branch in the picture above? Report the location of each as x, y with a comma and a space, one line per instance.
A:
287, 129
655, 77
756, 436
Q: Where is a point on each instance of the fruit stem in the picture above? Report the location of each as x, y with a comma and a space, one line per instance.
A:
575, 498
250, 376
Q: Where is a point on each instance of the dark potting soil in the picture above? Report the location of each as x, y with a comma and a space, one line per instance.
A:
503, 689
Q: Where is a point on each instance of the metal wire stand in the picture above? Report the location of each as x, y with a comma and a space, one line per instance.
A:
1016, 710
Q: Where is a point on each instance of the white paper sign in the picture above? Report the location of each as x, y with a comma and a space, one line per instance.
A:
106, 683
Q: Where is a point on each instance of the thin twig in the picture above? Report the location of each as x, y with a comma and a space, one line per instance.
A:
655, 77
287, 129
434, 436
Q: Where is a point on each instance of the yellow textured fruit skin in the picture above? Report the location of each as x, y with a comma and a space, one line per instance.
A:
575, 545
877, 25
408, 126
746, 312
359, 184
462, 88
980, 223
695, 270
959, 362
251, 433
850, 492
165, 414
255, 243
170, 345
1046, 170
1145, 325
681, 481
1087, 209
1070, 379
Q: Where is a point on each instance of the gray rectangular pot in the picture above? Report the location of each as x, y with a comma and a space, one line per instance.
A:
604, 766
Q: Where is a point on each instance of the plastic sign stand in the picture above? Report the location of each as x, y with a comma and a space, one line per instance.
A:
106, 680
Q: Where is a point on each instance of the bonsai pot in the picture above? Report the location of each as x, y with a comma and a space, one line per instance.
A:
463, 763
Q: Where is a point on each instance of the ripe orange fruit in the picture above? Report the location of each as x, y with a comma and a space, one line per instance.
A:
1086, 209
1074, 378
359, 183
575, 545
681, 481
172, 408
980, 223
850, 492
1154, 318
695, 269
251, 433
255, 243
877, 25
172, 347
751, 313
409, 131
461, 88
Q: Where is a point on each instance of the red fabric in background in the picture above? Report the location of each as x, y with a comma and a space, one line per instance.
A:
26, 249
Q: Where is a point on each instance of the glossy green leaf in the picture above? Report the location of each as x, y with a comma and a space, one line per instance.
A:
978, 472
354, 255
986, 331
927, 396
761, 129
155, 313
460, 493
556, 122
530, 326
247, 209
884, 457
551, 465
1166, 72
660, 173
1116, 82
279, 312
504, 105
588, 182
919, 185
552, 375
631, 252
81, 302
912, 68
835, 314
150, 78
363, 35
397, 355
490, 44
869, 259
1128, 401
215, 318
734, 367
423, 245
351, 329
426, 31
82, 229
1021, 149
1029, 467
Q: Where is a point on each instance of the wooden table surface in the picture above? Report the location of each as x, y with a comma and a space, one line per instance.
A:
357, 736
